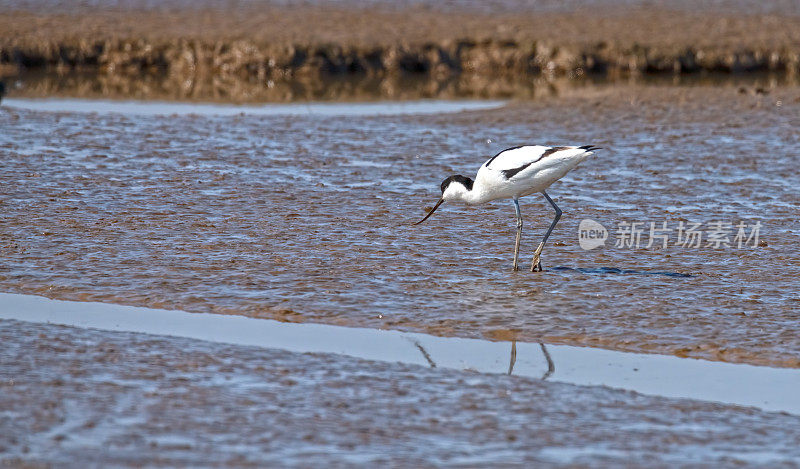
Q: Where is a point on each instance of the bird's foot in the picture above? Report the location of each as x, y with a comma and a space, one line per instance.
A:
536, 264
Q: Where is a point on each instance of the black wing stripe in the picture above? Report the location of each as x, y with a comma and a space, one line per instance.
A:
550, 151
495, 156
510, 173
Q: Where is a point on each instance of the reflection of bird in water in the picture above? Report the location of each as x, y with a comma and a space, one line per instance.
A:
2, 90
551, 367
426, 355
514, 173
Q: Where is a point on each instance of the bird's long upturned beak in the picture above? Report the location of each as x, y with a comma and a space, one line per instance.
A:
431, 212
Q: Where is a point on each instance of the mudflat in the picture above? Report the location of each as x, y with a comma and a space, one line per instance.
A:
88, 397
302, 211
307, 218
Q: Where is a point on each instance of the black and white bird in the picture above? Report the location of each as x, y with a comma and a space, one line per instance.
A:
514, 173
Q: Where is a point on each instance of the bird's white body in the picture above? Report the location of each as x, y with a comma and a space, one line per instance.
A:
518, 172
514, 173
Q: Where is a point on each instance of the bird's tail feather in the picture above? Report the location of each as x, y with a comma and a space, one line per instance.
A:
589, 147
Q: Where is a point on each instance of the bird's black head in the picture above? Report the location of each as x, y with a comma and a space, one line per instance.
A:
463, 180
452, 195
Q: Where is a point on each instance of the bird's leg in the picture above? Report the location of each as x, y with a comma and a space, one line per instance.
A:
513, 357
536, 262
551, 367
519, 234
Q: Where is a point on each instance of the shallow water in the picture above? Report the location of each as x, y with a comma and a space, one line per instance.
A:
306, 218
86, 397
88, 88
150, 108
771, 389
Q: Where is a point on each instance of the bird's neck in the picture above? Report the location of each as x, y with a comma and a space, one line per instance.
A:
474, 196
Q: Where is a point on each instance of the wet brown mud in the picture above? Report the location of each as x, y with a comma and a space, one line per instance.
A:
86, 397
305, 218
266, 41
